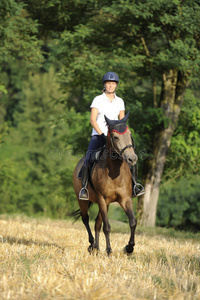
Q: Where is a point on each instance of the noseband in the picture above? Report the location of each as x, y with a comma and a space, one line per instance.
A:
128, 146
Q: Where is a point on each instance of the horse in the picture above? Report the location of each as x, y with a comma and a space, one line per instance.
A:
110, 182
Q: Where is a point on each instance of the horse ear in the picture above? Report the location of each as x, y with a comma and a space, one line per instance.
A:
108, 121
124, 120
112, 123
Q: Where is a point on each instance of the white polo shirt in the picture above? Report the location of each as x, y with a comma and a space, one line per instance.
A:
105, 107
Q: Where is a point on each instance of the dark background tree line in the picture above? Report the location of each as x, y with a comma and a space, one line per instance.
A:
53, 56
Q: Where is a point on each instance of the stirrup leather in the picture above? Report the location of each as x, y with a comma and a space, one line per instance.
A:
87, 192
138, 186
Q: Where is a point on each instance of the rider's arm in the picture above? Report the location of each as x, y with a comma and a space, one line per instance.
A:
121, 114
93, 117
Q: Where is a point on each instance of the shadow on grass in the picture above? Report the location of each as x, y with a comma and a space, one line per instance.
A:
22, 241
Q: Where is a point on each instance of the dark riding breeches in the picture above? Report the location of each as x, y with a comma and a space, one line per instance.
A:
96, 143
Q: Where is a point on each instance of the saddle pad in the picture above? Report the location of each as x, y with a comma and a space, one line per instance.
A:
93, 163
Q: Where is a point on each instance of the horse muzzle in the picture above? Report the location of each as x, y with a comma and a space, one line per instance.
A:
128, 154
130, 157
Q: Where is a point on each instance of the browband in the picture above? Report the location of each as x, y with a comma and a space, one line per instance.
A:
119, 131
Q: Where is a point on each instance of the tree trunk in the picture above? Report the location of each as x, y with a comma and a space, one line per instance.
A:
173, 88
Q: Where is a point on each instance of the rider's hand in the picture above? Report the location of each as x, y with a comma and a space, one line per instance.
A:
103, 137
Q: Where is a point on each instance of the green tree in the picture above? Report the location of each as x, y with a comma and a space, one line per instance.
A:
20, 52
183, 157
155, 41
18, 35
179, 204
152, 45
36, 163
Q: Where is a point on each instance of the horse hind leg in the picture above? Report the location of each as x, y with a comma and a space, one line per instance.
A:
85, 219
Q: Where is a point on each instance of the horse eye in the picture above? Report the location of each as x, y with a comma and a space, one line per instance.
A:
116, 137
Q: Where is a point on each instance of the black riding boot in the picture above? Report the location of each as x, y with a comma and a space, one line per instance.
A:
84, 194
138, 189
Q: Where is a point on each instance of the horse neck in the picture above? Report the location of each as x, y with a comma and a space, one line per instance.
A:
112, 158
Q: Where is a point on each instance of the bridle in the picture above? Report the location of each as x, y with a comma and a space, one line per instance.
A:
128, 146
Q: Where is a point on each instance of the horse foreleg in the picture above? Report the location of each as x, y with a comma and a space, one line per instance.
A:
128, 208
106, 225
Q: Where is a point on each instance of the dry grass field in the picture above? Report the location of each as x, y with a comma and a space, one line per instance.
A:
45, 259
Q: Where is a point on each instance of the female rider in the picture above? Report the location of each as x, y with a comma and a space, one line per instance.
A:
110, 105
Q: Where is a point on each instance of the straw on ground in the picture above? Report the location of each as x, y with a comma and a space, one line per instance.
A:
45, 259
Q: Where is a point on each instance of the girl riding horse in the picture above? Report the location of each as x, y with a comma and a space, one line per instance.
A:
112, 106
110, 182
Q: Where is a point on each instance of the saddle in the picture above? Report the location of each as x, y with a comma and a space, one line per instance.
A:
93, 162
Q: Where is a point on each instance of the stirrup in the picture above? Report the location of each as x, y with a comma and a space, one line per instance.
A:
141, 192
85, 197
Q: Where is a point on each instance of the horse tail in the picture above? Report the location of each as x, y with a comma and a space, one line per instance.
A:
77, 213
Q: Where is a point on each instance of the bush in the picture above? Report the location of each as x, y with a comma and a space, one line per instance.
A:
179, 205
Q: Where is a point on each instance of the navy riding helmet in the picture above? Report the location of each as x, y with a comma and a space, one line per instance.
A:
111, 76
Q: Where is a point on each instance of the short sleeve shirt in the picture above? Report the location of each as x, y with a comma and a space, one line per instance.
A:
105, 107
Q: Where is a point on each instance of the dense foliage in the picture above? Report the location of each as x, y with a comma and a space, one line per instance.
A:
179, 205
53, 56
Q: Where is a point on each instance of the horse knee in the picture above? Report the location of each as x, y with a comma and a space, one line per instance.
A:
106, 228
133, 223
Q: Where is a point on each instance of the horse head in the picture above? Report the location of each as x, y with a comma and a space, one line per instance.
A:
120, 139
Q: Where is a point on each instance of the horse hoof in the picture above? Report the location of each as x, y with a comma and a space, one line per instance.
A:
90, 249
93, 250
109, 252
128, 250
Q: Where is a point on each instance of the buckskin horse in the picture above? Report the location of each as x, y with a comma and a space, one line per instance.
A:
110, 182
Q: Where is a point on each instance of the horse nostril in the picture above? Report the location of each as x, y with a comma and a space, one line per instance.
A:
130, 160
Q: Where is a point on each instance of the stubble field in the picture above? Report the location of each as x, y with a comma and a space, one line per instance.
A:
45, 259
